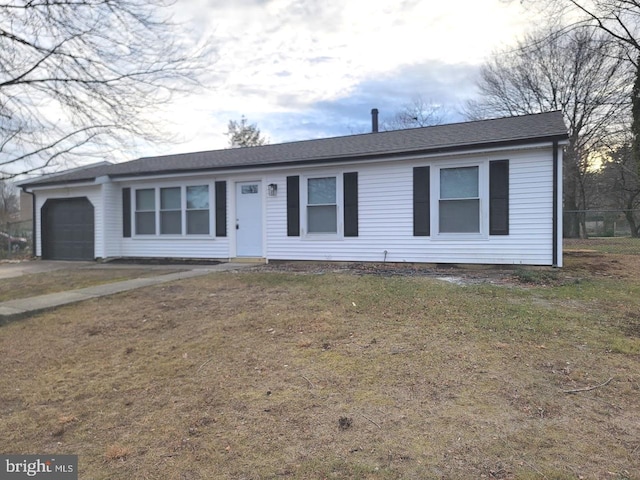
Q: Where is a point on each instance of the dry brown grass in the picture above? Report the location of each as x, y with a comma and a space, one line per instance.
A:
116, 452
254, 375
63, 280
617, 245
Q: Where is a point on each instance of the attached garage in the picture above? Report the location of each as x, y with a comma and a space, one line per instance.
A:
68, 229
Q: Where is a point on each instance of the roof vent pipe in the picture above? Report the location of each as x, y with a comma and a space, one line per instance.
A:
374, 120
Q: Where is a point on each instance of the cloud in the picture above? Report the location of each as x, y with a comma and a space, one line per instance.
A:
291, 115
307, 69
438, 82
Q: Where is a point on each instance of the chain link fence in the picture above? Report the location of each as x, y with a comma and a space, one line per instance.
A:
601, 223
16, 239
607, 231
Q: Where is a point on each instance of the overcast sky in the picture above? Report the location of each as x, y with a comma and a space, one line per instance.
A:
305, 69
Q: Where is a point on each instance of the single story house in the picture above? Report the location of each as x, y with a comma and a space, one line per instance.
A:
484, 192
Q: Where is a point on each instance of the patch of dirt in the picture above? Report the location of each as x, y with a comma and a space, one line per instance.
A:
461, 275
456, 274
579, 266
591, 263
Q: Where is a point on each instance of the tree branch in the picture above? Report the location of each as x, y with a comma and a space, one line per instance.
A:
588, 389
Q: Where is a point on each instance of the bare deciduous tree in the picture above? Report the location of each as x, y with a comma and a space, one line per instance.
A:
9, 201
419, 113
620, 183
579, 72
78, 77
620, 19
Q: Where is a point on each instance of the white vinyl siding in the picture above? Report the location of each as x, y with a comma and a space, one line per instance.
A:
112, 204
386, 216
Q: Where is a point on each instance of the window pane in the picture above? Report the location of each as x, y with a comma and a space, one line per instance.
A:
170, 198
459, 182
146, 199
198, 222
171, 222
145, 223
460, 216
198, 197
322, 219
322, 190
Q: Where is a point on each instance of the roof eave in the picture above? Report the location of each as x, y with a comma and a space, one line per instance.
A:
561, 139
86, 181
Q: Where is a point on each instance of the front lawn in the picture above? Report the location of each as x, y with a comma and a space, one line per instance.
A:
71, 279
331, 373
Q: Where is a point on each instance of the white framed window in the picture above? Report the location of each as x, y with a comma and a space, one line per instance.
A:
173, 210
198, 210
322, 205
145, 208
170, 211
459, 209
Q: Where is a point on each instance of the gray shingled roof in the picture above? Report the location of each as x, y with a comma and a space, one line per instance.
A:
543, 127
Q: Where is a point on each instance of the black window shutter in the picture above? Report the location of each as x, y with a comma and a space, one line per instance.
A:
350, 180
421, 202
293, 206
499, 197
126, 212
221, 209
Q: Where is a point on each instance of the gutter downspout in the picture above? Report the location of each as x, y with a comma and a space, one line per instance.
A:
555, 203
33, 219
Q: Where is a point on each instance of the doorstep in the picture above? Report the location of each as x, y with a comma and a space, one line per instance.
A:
248, 260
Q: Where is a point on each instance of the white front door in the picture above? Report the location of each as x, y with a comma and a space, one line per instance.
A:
249, 219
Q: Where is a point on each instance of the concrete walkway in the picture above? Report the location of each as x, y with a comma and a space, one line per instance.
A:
25, 307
